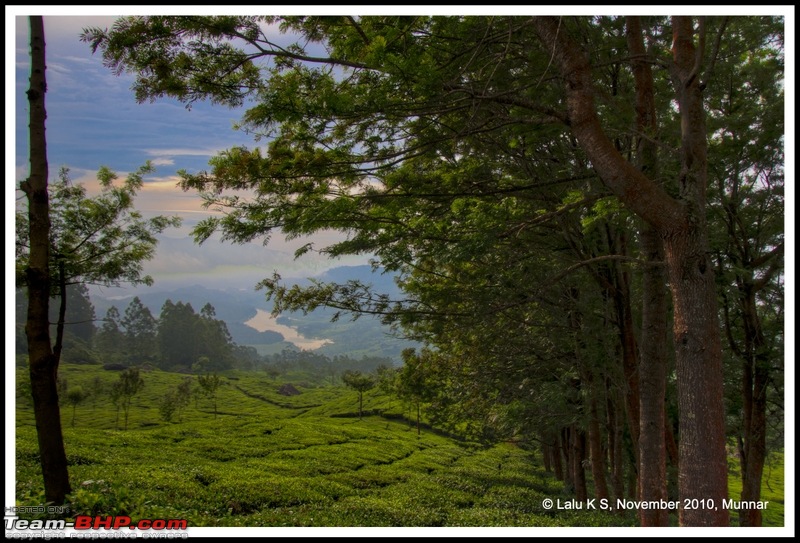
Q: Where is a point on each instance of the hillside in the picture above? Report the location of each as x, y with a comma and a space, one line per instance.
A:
268, 460
272, 460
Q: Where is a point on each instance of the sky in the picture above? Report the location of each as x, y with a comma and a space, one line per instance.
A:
94, 120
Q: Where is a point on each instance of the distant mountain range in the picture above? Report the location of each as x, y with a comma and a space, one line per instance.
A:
365, 336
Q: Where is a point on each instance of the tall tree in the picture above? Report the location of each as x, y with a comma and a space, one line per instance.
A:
140, 328
177, 345
747, 206
42, 361
110, 340
130, 383
360, 383
652, 367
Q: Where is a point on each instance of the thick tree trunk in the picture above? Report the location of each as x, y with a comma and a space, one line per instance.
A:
653, 348
703, 467
703, 459
42, 362
681, 224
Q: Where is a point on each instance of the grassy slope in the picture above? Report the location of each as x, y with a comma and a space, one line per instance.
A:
272, 460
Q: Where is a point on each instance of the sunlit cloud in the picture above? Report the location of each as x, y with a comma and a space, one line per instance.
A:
163, 161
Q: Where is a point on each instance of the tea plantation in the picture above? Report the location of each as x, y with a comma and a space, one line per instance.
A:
265, 459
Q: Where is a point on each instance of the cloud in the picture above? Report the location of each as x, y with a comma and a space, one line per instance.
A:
182, 152
163, 161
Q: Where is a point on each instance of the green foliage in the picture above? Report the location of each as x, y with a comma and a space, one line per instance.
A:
96, 240
130, 383
96, 498
187, 340
209, 384
75, 396
360, 383
168, 406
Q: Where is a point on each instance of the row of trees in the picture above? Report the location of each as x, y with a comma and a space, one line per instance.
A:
178, 339
537, 182
127, 386
320, 367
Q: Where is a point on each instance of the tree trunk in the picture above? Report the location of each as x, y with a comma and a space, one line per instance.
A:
596, 451
653, 348
547, 457
556, 454
681, 223
630, 355
615, 446
703, 467
42, 362
569, 465
653, 382
578, 455
755, 377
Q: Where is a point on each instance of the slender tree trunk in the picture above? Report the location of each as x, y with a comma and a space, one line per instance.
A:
547, 457
578, 456
630, 355
596, 450
653, 380
671, 442
653, 355
556, 454
62, 312
41, 359
755, 377
615, 446
569, 464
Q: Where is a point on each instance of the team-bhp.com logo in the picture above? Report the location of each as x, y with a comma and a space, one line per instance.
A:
23, 527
